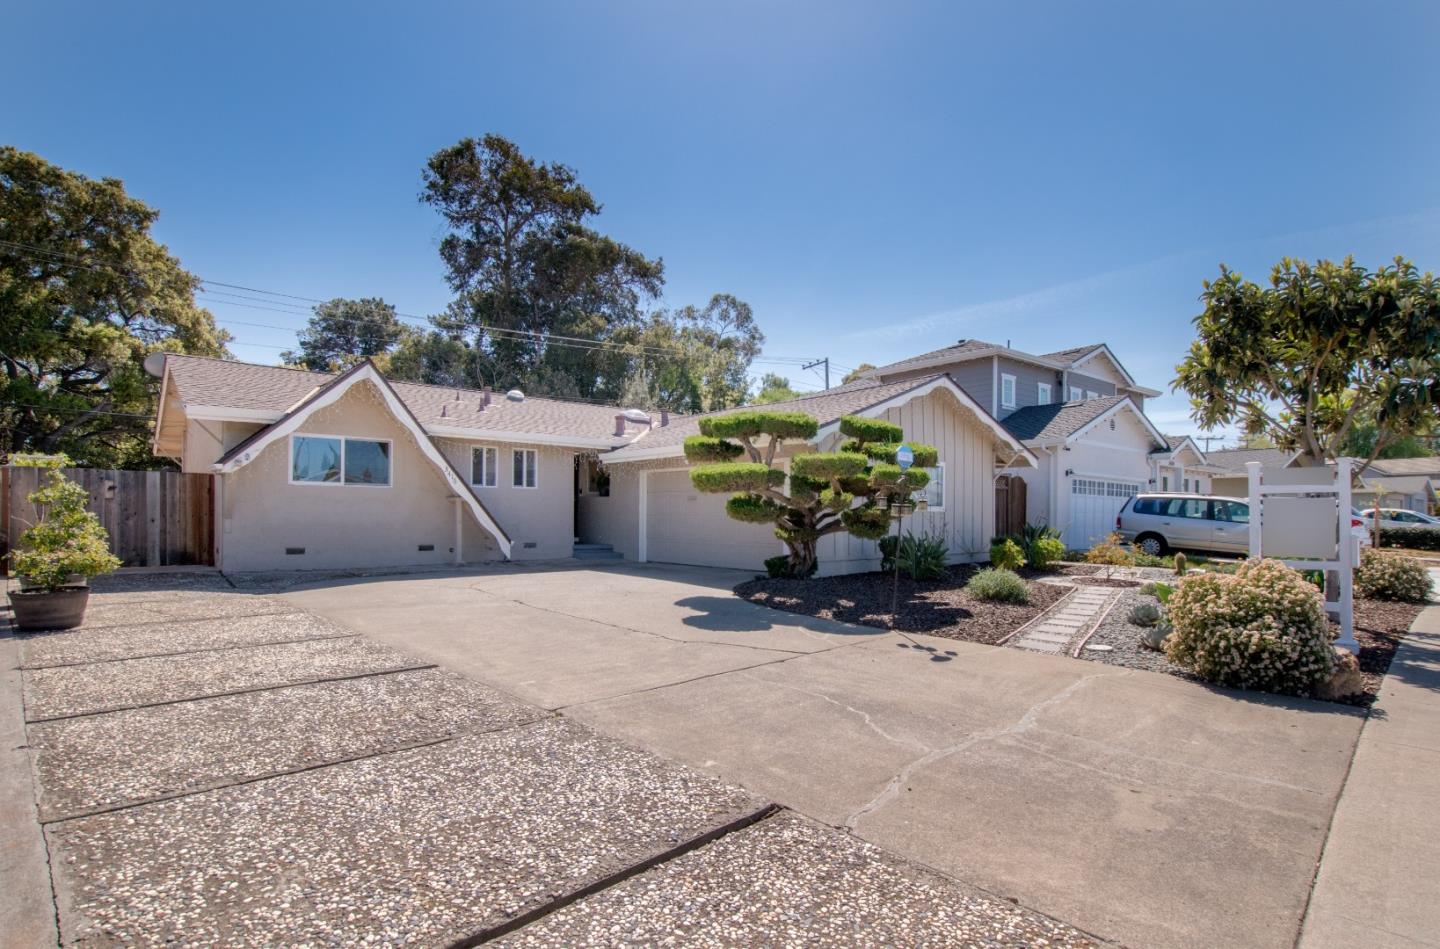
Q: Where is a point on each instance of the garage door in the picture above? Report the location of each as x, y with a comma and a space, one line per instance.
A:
685, 526
1093, 506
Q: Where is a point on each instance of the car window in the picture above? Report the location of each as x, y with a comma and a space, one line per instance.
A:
1232, 511
1187, 507
1144, 506
1405, 517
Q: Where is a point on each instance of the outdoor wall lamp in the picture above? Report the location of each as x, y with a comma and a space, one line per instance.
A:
1069, 472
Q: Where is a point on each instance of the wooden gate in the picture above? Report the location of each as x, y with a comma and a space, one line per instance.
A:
1009, 505
155, 518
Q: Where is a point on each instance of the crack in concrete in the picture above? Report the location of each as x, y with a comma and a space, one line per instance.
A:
864, 716
1025, 723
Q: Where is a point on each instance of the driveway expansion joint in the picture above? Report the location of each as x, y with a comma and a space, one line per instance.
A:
216, 695
27, 667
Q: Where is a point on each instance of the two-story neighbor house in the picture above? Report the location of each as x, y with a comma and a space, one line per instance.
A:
1082, 415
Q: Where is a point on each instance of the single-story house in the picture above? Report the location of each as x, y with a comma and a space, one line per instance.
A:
1408, 483
1181, 466
1232, 478
653, 513
322, 470
1093, 455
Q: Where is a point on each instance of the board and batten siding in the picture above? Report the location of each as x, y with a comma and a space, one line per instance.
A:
968, 520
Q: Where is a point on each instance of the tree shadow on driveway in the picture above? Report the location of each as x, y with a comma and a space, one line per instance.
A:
730, 614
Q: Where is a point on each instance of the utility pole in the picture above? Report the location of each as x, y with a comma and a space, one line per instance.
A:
826, 361
1207, 439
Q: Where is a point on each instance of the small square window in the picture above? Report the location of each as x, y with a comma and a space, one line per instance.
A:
367, 462
315, 460
1075, 394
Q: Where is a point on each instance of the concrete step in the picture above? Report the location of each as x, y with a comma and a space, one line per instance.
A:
596, 552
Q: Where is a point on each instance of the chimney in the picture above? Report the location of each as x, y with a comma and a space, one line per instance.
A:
445, 410
619, 425
664, 418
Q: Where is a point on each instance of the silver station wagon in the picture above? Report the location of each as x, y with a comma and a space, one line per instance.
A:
1157, 523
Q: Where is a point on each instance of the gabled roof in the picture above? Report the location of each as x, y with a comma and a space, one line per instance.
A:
1065, 421
1234, 459
861, 397
1397, 484
331, 392
968, 349
1073, 354
1174, 443
239, 391
963, 350
1394, 467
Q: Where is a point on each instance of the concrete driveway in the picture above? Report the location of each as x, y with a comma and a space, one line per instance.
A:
1140, 807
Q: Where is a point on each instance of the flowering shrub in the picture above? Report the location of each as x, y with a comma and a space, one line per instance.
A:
66, 539
1005, 554
998, 584
1262, 627
1385, 575
1108, 552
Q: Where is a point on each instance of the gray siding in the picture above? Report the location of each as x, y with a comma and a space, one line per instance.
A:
1091, 384
1028, 378
976, 377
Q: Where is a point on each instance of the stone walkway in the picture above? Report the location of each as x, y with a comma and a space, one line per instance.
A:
1068, 621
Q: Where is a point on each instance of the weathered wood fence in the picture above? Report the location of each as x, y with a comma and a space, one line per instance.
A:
1009, 505
155, 518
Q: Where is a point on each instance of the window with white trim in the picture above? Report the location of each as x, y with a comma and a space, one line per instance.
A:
1007, 391
1075, 394
524, 463
1091, 394
329, 459
935, 489
484, 463
1042, 393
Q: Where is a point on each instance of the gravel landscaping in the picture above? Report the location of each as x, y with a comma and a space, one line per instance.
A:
99, 761
1379, 627
788, 881
420, 847
938, 608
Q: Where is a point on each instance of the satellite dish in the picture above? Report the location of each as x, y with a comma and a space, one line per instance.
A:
155, 365
636, 415
515, 395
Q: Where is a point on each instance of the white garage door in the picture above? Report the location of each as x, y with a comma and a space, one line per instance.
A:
683, 525
1093, 506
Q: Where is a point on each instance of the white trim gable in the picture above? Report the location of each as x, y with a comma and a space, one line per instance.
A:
333, 393
960, 395
1111, 412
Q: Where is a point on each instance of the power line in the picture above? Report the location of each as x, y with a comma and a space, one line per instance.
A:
289, 309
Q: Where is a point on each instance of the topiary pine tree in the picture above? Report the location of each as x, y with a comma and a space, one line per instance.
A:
845, 490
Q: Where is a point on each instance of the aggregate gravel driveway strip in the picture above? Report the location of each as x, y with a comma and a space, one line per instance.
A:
423, 846
38, 650
790, 881
65, 691
104, 611
105, 761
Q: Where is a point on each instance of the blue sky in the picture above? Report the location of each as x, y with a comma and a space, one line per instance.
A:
876, 180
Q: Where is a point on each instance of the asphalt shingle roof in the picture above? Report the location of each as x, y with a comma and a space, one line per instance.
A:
199, 380
1058, 419
826, 407
959, 349
1234, 459
1399, 467
1068, 356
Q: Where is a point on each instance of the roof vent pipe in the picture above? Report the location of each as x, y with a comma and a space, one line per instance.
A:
485, 397
664, 418
619, 425
515, 395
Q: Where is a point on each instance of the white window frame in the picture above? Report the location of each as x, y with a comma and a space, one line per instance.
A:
1075, 394
343, 440
523, 467
940, 466
1091, 394
1007, 378
1042, 393
487, 468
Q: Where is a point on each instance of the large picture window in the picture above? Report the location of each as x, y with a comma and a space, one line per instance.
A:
483, 465
326, 459
525, 462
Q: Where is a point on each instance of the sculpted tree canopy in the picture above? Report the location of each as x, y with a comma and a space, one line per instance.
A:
849, 489
342, 332
85, 295
526, 269
1323, 350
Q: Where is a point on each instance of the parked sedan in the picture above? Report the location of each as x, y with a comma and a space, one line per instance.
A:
1398, 517
1157, 523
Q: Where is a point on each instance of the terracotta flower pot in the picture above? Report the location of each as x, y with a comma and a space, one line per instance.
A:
50, 609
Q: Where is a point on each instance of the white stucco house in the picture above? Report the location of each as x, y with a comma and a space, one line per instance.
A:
320, 470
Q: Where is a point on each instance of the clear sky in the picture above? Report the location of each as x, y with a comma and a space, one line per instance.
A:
876, 179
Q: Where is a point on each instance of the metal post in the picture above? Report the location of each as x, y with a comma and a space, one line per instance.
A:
1252, 468
899, 534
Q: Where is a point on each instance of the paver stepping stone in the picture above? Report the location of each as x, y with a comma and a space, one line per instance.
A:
790, 881
417, 847
168, 638
126, 683
100, 761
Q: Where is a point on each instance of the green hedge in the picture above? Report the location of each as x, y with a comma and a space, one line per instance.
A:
702, 448
752, 423
1416, 538
823, 467
736, 476
870, 429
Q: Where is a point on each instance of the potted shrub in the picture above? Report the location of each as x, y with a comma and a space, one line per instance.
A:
57, 555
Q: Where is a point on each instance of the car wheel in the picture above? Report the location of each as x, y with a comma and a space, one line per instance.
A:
1152, 544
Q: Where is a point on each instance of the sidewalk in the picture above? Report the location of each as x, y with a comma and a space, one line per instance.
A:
1378, 886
